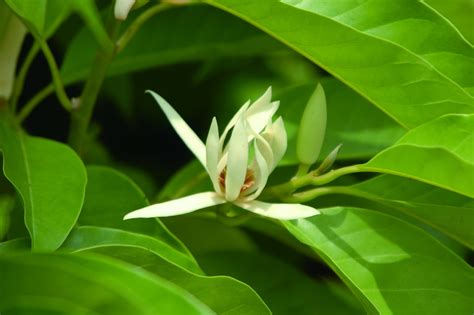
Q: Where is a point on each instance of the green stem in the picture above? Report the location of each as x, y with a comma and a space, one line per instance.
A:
20, 79
314, 193
58, 85
33, 102
81, 115
302, 170
137, 23
310, 179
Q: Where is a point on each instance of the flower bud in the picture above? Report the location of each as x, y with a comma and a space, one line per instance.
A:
312, 128
329, 161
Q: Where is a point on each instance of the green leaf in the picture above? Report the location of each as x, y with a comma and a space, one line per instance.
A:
438, 153
51, 180
87, 284
288, 292
42, 18
110, 195
362, 129
173, 42
224, 295
90, 237
399, 82
435, 41
394, 266
447, 211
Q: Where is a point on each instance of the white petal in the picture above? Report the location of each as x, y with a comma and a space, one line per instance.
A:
278, 142
212, 154
237, 161
280, 211
233, 121
186, 134
122, 7
262, 172
178, 206
259, 116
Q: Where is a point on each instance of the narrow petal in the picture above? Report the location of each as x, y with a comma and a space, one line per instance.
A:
262, 172
280, 211
212, 154
258, 117
278, 142
178, 206
186, 134
122, 7
236, 161
233, 121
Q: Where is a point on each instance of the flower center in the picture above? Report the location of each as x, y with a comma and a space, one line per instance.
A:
248, 182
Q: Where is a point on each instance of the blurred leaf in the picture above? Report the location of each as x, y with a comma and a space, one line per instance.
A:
447, 211
458, 12
224, 295
435, 41
6, 206
43, 17
285, 289
180, 35
362, 129
398, 81
17, 244
439, 153
87, 284
110, 195
90, 237
391, 265
51, 180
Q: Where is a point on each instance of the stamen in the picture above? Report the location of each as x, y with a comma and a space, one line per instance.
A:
248, 182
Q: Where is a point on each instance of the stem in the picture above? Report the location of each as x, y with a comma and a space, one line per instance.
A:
20, 80
58, 85
31, 105
302, 170
81, 115
321, 191
310, 179
137, 23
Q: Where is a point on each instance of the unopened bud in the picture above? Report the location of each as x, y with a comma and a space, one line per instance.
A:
329, 161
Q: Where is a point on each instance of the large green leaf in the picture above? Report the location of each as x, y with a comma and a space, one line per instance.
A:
362, 129
80, 284
447, 211
51, 180
214, 35
90, 237
396, 80
438, 153
435, 41
394, 267
110, 195
224, 295
288, 292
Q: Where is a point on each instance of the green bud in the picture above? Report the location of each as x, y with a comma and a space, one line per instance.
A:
12, 32
312, 128
329, 161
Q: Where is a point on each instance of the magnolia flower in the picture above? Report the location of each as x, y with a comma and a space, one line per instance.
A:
226, 160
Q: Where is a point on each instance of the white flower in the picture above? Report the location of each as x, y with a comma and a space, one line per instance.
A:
122, 8
227, 162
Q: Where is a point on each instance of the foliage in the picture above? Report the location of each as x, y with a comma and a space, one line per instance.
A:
377, 100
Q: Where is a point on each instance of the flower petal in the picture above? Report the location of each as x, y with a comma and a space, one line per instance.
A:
178, 206
278, 141
186, 134
263, 169
122, 7
232, 122
212, 154
280, 211
259, 114
236, 161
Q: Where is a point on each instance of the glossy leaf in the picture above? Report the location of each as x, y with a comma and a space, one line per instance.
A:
90, 237
438, 153
447, 211
220, 36
51, 180
87, 284
110, 195
224, 295
362, 129
435, 41
396, 80
394, 267
288, 292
